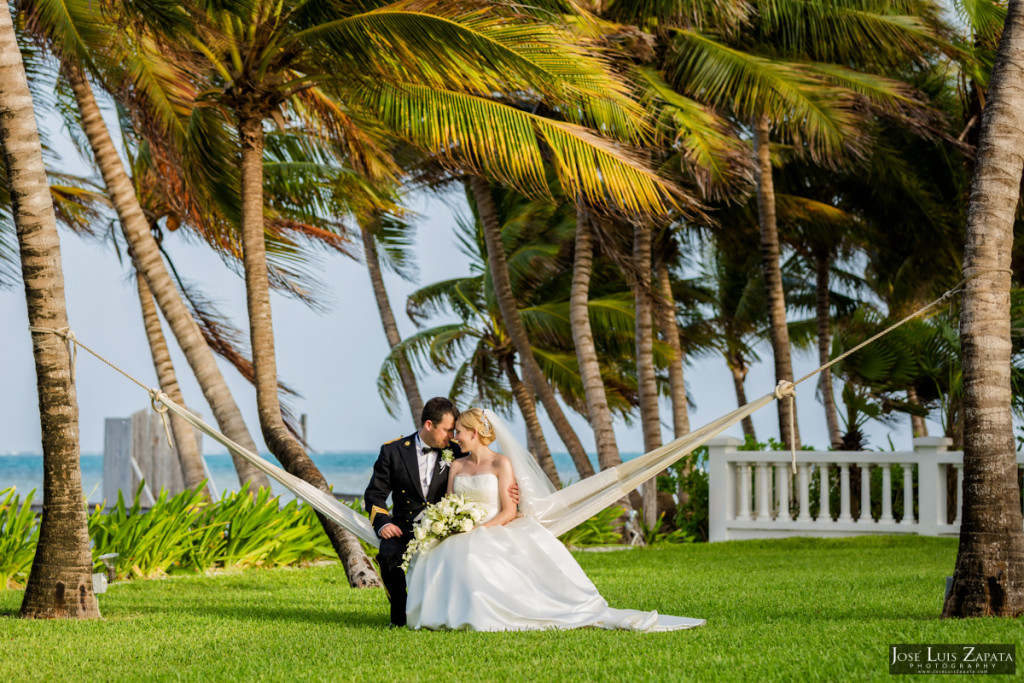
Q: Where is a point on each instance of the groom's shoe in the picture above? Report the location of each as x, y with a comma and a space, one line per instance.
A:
393, 625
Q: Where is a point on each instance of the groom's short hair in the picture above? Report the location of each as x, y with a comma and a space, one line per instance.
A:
436, 408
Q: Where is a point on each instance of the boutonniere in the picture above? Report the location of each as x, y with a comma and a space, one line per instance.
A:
446, 458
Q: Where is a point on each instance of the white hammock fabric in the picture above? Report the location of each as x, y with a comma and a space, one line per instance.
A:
560, 512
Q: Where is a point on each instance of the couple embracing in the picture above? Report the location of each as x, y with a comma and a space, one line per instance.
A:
509, 573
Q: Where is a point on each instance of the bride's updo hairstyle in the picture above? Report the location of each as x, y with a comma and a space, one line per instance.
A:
475, 419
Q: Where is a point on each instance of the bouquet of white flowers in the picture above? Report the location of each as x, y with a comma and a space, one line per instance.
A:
453, 514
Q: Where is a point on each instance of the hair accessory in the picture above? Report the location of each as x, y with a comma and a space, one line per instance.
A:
484, 421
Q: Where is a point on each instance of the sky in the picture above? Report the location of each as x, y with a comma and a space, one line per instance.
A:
331, 358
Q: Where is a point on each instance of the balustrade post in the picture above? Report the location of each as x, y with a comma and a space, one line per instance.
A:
931, 484
908, 493
865, 493
844, 493
743, 472
763, 493
886, 517
804, 492
782, 482
824, 515
721, 486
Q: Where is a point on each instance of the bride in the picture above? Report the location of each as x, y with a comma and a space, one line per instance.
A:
509, 573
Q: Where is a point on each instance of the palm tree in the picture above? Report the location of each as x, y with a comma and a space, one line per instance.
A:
387, 317
60, 581
666, 306
485, 206
150, 263
185, 444
646, 384
783, 68
74, 34
598, 412
417, 72
989, 574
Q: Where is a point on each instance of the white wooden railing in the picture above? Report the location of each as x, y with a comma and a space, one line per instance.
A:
750, 492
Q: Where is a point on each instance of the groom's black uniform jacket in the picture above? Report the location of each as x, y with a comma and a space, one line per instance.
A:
397, 472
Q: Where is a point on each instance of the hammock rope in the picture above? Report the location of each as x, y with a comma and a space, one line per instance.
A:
567, 507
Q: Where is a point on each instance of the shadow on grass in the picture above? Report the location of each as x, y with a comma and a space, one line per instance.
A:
297, 615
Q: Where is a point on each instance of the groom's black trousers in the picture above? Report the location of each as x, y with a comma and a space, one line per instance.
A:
389, 558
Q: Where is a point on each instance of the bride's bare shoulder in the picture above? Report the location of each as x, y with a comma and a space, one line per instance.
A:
502, 463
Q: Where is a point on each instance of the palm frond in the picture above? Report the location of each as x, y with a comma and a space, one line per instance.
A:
508, 144
799, 105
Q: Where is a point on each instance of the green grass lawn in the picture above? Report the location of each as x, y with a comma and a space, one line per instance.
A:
793, 609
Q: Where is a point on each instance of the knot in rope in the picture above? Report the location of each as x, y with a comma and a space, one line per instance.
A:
785, 388
69, 338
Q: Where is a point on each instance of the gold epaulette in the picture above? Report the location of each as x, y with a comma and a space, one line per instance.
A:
392, 440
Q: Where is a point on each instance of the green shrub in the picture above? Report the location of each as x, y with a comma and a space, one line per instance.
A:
185, 532
147, 543
601, 529
19, 532
248, 531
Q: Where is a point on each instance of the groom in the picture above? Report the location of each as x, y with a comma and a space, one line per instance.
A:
413, 469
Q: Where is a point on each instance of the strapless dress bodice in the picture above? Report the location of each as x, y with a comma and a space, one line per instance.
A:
481, 489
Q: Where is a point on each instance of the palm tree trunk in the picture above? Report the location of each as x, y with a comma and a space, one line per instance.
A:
989, 574
281, 442
184, 438
918, 427
773, 277
150, 263
481, 190
823, 312
60, 582
586, 352
528, 409
739, 375
670, 328
647, 386
387, 318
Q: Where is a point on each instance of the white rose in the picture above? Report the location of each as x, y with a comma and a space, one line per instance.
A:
467, 525
437, 527
420, 533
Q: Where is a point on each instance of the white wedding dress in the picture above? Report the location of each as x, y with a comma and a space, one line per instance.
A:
511, 578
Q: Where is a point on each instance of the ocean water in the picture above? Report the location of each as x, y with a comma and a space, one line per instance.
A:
349, 472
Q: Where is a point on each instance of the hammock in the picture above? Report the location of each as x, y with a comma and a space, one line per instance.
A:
568, 507
561, 510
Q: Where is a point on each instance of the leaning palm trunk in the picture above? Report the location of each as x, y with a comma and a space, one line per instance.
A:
918, 426
645, 378
60, 582
281, 442
150, 263
481, 190
586, 352
528, 409
989, 574
185, 444
666, 306
739, 371
823, 313
670, 328
387, 319
773, 278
